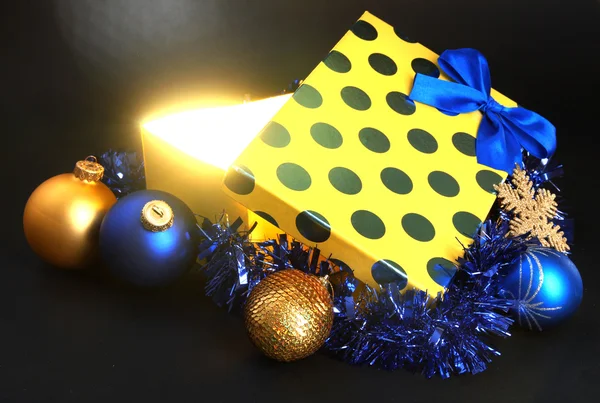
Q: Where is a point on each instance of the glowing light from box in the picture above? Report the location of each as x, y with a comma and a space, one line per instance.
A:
216, 136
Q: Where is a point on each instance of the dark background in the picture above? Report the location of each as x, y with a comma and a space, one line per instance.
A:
77, 76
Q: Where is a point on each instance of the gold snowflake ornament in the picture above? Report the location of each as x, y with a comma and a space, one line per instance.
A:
533, 211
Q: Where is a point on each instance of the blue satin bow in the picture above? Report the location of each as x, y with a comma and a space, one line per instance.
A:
503, 131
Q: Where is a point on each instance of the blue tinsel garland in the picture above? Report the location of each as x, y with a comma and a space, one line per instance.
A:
123, 171
385, 328
445, 335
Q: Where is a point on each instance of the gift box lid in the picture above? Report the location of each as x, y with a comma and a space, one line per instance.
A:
390, 187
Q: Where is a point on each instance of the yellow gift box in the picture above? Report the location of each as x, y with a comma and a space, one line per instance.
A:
350, 165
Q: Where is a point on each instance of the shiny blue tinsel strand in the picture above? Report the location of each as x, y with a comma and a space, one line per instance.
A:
224, 252
544, 174
123, 172
440, 336
234, 266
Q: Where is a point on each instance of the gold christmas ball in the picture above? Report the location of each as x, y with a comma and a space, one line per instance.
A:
289, 315
63, 215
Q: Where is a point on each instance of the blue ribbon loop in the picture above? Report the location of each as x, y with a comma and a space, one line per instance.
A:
503, 131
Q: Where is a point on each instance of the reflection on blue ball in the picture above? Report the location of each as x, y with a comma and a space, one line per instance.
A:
546, 288
142, 257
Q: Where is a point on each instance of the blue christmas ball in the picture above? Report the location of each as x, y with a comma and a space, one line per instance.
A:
545, 287
149, 238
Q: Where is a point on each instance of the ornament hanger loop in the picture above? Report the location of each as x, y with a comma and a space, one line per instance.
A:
158, 211
91, 158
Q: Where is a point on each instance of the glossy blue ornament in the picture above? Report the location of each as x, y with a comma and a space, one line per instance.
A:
545, 287
143, 254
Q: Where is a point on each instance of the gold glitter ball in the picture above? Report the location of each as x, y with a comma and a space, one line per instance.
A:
289, 314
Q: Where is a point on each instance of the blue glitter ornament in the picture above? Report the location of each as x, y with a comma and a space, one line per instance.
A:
544, 286
149, 238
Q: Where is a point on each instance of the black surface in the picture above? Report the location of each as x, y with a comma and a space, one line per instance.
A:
77, 76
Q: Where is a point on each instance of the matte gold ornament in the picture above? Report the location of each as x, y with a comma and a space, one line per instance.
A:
533, 211
63, 215
289, 314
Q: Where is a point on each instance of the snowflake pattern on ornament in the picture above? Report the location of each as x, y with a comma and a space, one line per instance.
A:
533, 211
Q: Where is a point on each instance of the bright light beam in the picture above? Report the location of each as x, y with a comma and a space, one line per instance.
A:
216, 136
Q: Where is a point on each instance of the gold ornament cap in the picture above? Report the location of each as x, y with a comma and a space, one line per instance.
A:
89, 170
157, 216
